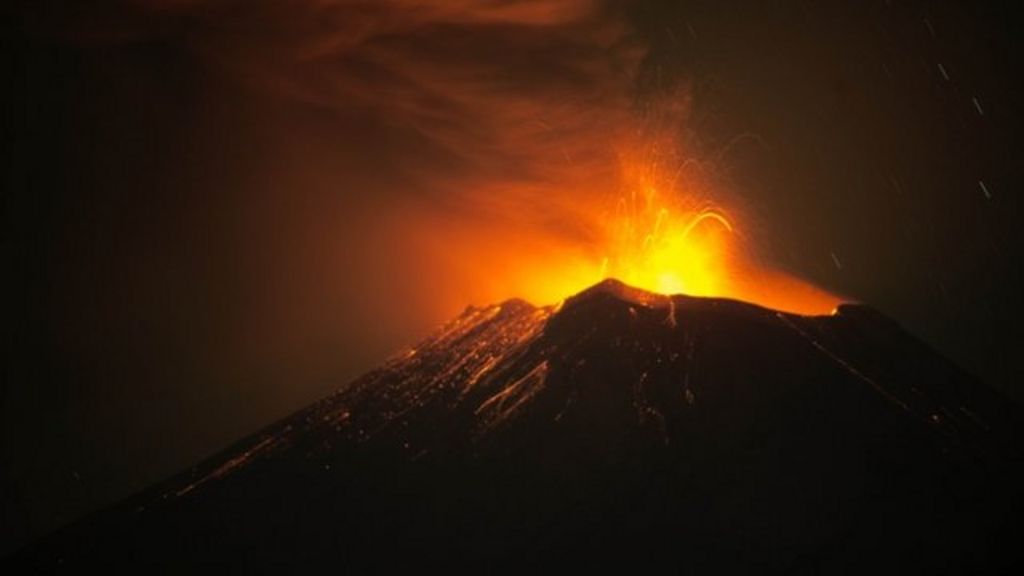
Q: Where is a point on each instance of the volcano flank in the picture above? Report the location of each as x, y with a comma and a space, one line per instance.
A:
619, 426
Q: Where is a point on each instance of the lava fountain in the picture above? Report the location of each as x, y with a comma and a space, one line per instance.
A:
662, 232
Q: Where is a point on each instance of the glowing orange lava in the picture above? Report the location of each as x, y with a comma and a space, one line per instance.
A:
654, 221
670, 251
668, 240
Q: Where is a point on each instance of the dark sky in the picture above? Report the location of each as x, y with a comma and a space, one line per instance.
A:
217, 212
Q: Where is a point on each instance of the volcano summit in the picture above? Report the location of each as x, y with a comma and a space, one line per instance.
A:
619, 426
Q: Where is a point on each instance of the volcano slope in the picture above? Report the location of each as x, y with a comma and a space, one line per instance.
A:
619, 427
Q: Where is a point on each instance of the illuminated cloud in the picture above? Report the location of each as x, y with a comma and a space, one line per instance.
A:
513, 140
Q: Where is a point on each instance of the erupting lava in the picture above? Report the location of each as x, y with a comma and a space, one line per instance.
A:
663, 235
649, 217
658, 242
670, 252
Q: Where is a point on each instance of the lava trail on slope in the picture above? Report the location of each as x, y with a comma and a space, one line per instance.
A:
618, 427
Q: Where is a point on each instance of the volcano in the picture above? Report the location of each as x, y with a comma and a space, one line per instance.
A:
619, 427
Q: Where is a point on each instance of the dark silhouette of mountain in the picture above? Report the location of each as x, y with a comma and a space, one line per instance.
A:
619, 428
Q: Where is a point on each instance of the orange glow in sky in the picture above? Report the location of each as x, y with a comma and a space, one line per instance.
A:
657, 235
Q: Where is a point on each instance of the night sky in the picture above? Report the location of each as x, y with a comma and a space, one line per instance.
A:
218, 212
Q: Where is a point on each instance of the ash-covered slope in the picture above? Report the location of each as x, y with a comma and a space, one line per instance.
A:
622, 426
